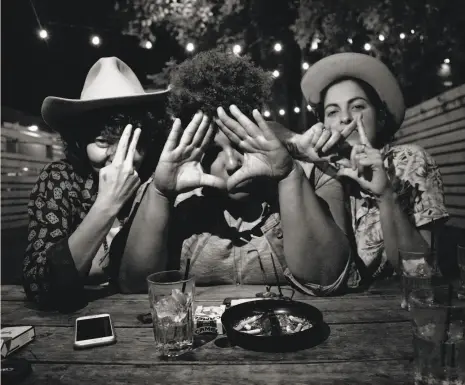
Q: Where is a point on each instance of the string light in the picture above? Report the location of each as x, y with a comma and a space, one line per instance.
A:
43, 34
309, 107
296, 110
412, 31
278, 47
314, 45
305, 66
402, 35
95, 40
381, 37
237, 49
367, 46
276, 73
190, 47
282, 112
350, 40
25, 169
447, 60
33, 128
266, 114
148, 44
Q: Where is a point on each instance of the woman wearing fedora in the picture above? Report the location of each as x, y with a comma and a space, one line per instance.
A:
82, 208
396, 191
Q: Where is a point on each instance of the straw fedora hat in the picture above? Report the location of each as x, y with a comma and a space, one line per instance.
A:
359, 66
110, 82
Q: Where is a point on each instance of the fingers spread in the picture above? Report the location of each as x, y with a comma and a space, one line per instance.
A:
250, 127
231, 124
191, 129
122, 148
335, 136
174, 135
129, 161
361, 131
325, 135
201, 131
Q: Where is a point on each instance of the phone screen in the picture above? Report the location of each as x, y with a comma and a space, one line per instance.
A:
92, 328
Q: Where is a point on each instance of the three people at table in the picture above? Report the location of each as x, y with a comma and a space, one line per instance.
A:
226, 193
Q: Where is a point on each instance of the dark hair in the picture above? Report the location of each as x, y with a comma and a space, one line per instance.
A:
216, 78
109, 122
386, 125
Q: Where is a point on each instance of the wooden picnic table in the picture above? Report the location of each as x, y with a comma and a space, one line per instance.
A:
369, 343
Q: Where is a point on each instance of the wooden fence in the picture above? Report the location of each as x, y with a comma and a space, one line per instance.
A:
438, 125
24, 154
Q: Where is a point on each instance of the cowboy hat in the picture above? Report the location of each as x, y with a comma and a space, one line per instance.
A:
110, 82
360, 66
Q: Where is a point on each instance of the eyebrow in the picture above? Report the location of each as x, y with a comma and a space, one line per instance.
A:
350, 101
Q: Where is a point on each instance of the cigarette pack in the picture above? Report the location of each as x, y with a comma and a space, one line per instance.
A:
14, 337
207, 319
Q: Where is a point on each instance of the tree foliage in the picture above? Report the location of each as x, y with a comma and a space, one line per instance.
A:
319, 28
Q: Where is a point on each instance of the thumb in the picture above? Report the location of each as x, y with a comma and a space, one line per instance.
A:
208, 180
238, 177
349, 173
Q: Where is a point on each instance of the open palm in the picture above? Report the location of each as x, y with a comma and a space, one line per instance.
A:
264, 154
179, 167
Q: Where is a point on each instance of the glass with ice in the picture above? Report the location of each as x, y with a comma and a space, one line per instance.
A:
416, 273
171, 302
438, 323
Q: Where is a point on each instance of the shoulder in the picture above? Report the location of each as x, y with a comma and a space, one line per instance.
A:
409, 154
60, 175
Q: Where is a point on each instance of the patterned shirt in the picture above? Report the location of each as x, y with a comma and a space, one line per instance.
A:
416, 180
59, 201
224, 250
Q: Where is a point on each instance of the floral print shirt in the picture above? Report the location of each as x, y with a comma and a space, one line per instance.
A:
59, 201
417, 181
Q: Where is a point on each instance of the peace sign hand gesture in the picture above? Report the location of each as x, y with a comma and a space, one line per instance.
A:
119, 181
179, 169
264, 154
367, 166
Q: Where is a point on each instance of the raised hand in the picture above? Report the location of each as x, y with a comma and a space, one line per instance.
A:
118, 181
179, 169
318, 144
366, 165
264, 154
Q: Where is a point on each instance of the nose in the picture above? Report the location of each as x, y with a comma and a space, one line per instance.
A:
346, 117
233, 161
110, 154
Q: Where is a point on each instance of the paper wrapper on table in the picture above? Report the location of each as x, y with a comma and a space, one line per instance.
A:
14, 337
207, 319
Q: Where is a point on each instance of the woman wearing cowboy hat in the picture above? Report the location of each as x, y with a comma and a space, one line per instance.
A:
81, 208
396, 192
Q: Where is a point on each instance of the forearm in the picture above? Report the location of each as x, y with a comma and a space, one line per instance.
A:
146, 246
398, 231
89, 235
316, 249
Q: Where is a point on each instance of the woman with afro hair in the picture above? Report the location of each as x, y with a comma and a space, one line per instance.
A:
228, 196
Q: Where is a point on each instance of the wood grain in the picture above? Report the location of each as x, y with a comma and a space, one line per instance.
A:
348, 342
341, 310
361, 373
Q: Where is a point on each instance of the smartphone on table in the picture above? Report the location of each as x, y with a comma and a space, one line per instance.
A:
93, 330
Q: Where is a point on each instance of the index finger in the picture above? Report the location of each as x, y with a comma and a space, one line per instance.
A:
361, 131
122, 148
129, 161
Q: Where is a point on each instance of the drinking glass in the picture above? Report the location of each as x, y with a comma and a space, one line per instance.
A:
438, 326
415, 271
171, 303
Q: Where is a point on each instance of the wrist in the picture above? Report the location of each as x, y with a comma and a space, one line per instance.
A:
293, 172
170, 196
106, 207
388, 195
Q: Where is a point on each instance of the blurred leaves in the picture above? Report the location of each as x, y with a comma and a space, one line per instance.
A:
329, 24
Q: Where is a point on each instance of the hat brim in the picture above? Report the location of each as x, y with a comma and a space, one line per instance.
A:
56, 111
359, 66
